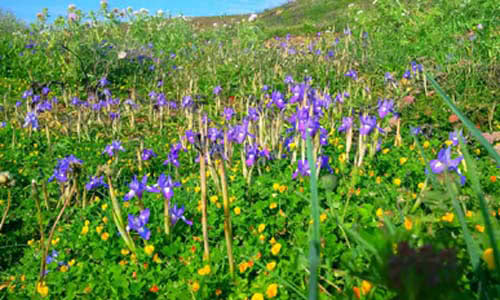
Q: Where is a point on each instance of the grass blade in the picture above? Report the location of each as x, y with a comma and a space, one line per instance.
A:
475, 132
314, 255
476, 186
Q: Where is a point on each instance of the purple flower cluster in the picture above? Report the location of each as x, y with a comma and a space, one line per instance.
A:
64, 167
138, 224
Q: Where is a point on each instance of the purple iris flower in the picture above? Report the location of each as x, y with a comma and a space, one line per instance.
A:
51, 257
27, 93
346, 124
95, 182
407, 74
187, 102
76, 101
177, 214
173, 155
114, 115
453, 137
239, 133
217, 90
131, 103
416, 67
213, 134
165, 185
228, 113
137, 188
415, 130
289, 79
103, 82
45, 91
302, 169
190, 136
252, 154
388, 77
31, 119
3, 124
278, 100
112, 148
139, 224
44, 106
368, 123
64, 167
444, 162
324, 163
384, 107
147, 154
352, 73
323, 136
253, 114
19, 103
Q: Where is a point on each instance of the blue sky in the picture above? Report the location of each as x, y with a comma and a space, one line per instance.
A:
27, 9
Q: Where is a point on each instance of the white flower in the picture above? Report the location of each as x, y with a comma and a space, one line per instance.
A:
71, 6
252, 18
159, 12
122, 54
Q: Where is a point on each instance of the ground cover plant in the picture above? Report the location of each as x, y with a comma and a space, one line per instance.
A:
149, 157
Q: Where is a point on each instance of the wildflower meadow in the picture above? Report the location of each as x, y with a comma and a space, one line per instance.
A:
293, 154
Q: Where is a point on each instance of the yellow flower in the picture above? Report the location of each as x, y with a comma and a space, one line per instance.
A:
275, 250
272, 241
85, 230
426, 144
408, 224
379, 212
125, 252
195, 286
421, 185
243, 267
71, 262
385, 151
64, 268
204, 271
342, 157
237, 210
271, 265
272, 290
469, 214
197, 189
23, 277
397, 181
105, 220
283, 188
258, 296
105, 236
448, 143
31, 242
273, 205
214, 199
104, 206
478, 151
480, 228
42, 289
292, 146
322, 217
448, 217
489, 258
87, 223
157, 259
123, 262
126, 204
366, 287
276, 186
55, 241
261, 227
149, 249
403, 160
378, 180
99, 229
